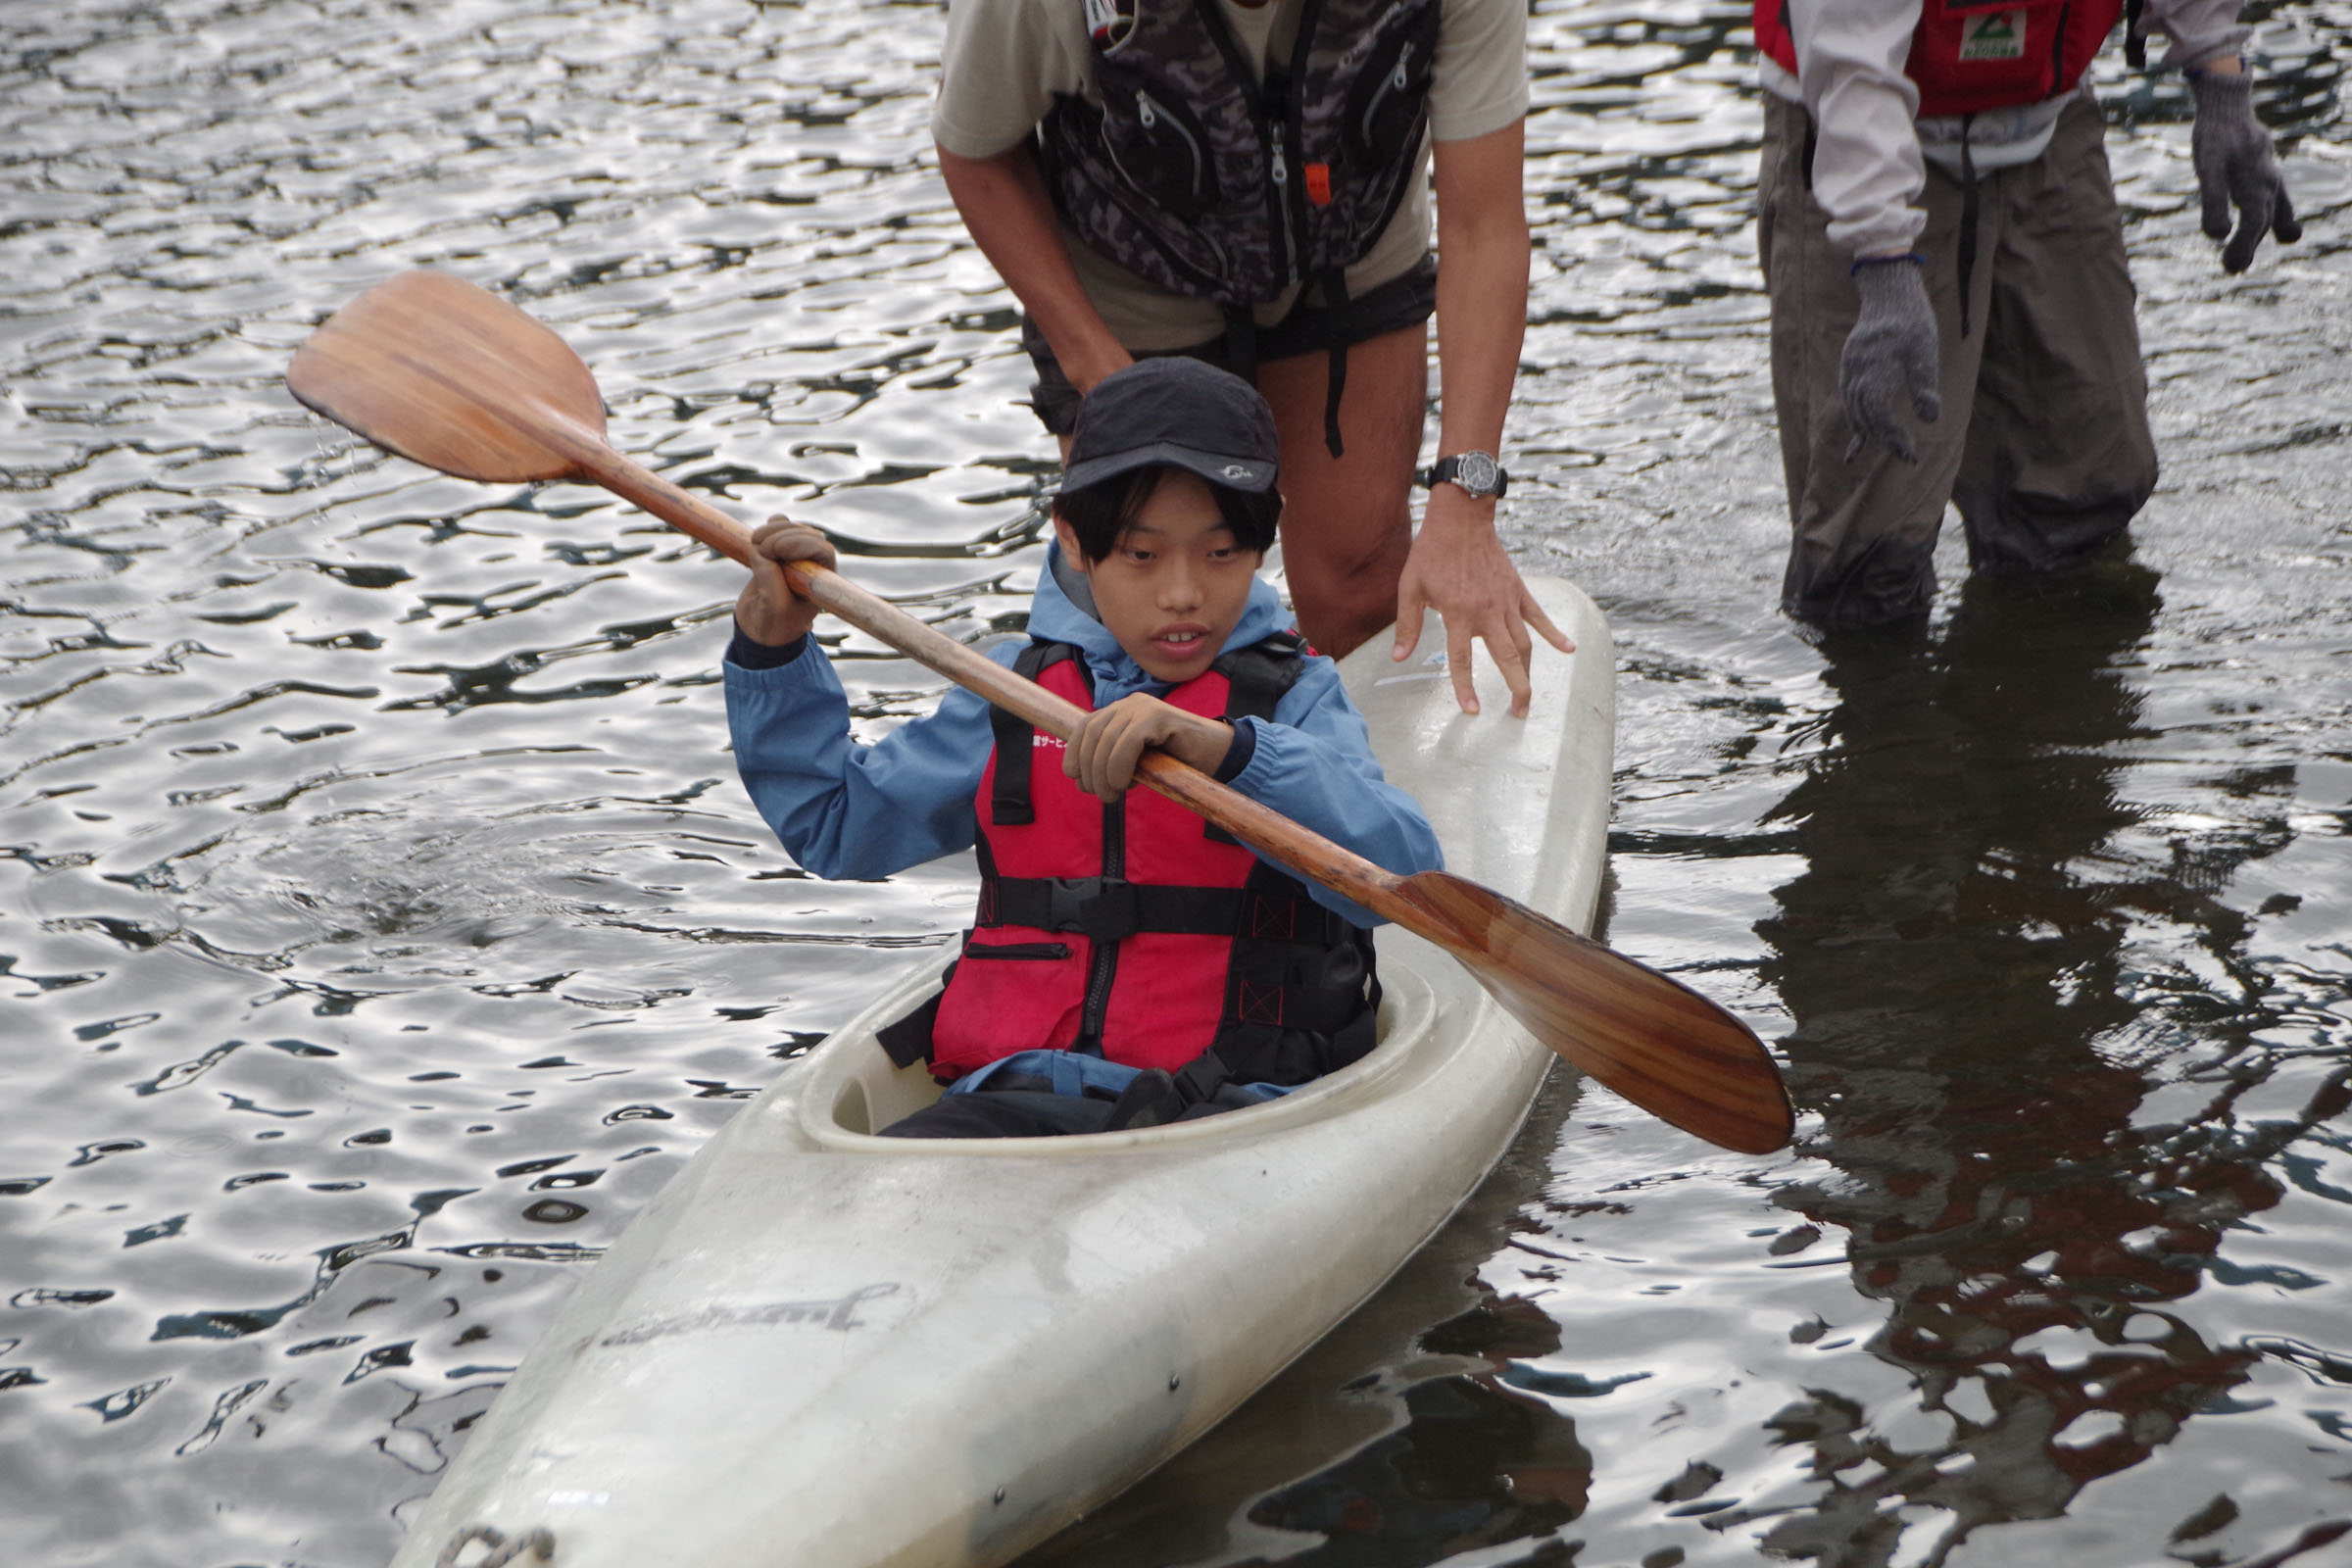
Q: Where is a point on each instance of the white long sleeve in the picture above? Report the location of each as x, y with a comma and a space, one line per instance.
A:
1868, 168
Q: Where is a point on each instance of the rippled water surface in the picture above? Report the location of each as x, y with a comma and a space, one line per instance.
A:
380, 922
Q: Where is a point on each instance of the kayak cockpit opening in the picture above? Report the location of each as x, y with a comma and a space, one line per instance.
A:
853, 1090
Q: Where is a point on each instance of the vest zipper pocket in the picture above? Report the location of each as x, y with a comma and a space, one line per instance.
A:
1208, 283
1389, 85
1387, 107
1020, 950
1168, 159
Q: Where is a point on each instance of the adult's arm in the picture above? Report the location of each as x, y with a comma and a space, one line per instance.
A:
1867, 172
1004, 204
1002, 66
2203, 34
1458, 566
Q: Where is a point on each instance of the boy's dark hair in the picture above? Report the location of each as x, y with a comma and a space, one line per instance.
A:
1098, 514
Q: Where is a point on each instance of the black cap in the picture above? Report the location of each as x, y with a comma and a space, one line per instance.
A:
1177, 411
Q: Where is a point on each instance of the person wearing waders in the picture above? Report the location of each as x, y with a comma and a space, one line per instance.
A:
1248, 182
1951, 316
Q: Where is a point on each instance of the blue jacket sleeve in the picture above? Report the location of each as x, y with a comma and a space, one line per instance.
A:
1315, 765
847, 811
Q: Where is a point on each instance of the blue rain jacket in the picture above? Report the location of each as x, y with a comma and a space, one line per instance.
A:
859, 812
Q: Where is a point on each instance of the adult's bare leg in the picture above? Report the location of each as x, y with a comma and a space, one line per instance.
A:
1348, 521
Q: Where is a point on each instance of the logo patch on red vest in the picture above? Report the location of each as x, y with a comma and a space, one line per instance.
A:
1995, 35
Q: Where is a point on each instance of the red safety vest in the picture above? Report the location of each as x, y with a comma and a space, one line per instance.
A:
1135, 930
1970, 56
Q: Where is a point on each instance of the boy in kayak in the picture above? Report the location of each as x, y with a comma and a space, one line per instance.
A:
1129, 964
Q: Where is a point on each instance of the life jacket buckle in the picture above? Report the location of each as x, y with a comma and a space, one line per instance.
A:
1102, 908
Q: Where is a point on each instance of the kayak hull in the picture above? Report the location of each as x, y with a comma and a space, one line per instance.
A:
828, 1349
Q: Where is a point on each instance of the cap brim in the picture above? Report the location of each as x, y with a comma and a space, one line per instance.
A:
1234, 473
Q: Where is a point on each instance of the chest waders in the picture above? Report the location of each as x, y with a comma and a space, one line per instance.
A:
1971, 55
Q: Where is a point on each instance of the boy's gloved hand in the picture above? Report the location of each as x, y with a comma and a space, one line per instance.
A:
768, 611
2237, 167
1110, 743
1890, 353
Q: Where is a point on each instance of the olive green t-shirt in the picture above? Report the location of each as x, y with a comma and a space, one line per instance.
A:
1005, 61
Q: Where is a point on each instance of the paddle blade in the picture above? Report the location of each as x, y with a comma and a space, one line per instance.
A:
1652, 1038
453, 377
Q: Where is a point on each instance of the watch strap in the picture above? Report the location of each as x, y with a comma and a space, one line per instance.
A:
1447, 470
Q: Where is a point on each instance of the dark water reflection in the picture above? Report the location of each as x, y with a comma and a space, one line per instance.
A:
1956, 955
381, 923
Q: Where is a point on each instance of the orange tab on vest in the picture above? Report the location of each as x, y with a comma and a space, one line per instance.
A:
1318, 184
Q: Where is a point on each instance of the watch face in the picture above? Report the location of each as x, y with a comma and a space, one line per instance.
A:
1475, 472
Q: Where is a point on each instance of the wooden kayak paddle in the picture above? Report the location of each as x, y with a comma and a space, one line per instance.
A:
454, 377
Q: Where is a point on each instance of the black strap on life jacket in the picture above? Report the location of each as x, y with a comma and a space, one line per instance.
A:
1335, 298
1241, 342
1015, 737
1106, 909
1968, 217
2136, 42
907, 1040
1260, 673
1256, 678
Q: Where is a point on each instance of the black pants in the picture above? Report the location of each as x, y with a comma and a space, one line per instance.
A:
1005, 1113
1312, 327
1019, 1105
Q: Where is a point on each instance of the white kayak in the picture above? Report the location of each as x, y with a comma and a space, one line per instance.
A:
822, 1349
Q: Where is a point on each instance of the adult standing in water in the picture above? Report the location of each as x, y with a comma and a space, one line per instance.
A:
1248, 181
1938, 228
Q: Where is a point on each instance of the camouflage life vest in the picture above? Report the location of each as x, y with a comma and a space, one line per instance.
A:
1200, 177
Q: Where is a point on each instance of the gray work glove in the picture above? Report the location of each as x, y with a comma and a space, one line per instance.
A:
2235, 167
1890, 353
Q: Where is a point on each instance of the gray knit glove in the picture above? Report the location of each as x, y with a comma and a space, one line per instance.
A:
2235, 167
1890, 353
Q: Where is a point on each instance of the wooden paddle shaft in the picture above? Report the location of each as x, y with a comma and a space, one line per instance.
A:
1305, 852
462, 381
1561, 985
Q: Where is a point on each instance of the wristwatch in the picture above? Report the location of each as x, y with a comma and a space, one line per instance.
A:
1477, 472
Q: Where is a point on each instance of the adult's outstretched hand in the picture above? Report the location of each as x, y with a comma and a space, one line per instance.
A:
1891, 354
2237, 167
1459, 568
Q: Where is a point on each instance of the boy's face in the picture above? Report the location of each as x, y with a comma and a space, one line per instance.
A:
1174, 586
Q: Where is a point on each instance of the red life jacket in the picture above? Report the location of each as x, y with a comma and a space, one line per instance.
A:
1970, 56
1136, 931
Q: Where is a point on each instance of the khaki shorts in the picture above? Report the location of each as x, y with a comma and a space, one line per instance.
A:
2043, 443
